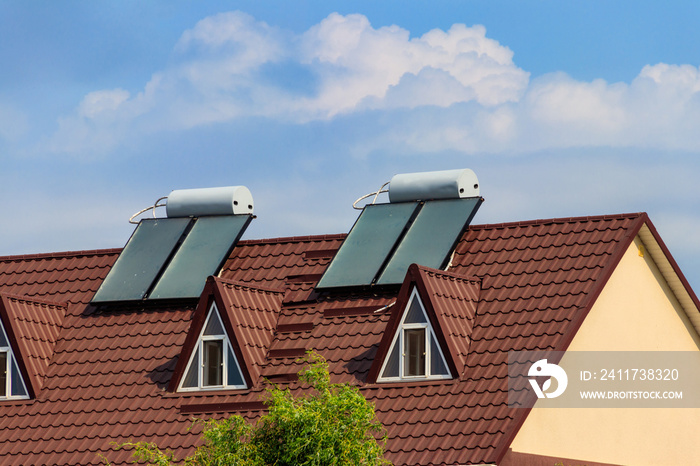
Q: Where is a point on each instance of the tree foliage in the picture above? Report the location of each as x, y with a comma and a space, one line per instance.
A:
326, 424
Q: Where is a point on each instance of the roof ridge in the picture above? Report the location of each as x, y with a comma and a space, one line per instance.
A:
293, 239
327, 237
46, 255
547, 221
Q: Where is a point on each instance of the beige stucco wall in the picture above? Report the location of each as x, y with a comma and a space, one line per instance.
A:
636, 311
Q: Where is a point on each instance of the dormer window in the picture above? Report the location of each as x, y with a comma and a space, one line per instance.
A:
415, 353
213, 364
11, 383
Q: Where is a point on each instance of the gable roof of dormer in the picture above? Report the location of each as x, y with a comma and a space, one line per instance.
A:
450, 302
249, 315
32, 326
453, 299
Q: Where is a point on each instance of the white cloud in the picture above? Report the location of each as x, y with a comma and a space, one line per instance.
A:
440, 68
564, 102
683, 78
253, 42
99, 103
659, 110
230, 67
221, 71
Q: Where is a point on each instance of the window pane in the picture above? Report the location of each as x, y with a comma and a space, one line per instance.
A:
213, 360
17, 387
214, 326
415, 314
191, 377
234, 374
414, 352
392, 365
437, 364
3, 373
3, 340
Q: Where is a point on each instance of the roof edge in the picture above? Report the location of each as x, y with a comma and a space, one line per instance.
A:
48, 255
547, 221
293, 239
325, 237
666, 255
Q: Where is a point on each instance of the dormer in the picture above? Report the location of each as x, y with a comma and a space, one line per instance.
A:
429, 332
415, 353
228, 339
29, 329
213, 364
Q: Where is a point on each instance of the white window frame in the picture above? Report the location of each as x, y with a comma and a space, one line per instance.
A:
399, 339
198, 351
8, 371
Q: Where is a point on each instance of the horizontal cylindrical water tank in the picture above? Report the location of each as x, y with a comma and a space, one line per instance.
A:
229, 200
446, 184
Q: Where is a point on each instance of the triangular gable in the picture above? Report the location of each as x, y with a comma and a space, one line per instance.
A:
248, 316
449, 302
31, 327
213, 363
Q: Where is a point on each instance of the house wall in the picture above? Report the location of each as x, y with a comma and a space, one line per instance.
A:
636, 311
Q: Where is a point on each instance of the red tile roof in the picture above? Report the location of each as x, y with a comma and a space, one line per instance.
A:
71, 277
510, 286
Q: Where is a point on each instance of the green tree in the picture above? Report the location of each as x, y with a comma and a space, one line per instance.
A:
325, 424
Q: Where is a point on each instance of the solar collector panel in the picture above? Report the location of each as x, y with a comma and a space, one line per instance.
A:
142, 259
368, 245
201, 254
430, 238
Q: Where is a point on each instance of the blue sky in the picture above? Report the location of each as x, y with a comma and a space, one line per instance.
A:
561, 108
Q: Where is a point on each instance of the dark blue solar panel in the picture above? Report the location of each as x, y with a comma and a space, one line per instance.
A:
142, 259
202, 253
431, 237
368, 245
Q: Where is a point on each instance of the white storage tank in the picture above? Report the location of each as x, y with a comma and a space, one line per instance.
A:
445, 184
229, 200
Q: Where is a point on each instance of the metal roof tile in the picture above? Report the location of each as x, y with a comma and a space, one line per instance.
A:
106, 376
